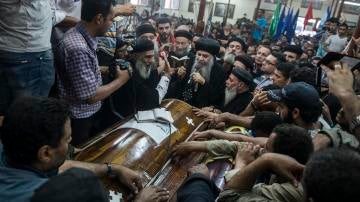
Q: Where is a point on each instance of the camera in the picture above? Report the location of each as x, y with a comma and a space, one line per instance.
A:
119, 63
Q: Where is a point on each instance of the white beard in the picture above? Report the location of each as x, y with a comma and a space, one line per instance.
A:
203, 69
143, 69
229, 57
230, 94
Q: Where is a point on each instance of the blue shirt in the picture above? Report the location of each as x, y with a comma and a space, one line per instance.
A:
258, 33
18, 185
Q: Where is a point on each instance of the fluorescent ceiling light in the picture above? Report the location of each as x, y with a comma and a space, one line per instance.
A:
351, 3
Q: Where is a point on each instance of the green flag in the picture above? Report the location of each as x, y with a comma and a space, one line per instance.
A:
275, 20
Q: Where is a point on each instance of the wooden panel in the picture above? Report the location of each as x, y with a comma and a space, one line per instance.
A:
136, 150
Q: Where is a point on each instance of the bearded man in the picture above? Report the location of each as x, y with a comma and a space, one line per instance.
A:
148, 84
165, 33
203, 85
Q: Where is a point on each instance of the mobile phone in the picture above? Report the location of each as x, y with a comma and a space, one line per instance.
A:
331, 57
329, 60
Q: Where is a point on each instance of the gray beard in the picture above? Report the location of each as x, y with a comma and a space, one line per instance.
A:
229, 57
204, 70
181, 53
143, 69
230, 94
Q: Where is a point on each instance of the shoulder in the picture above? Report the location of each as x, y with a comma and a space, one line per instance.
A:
74, 41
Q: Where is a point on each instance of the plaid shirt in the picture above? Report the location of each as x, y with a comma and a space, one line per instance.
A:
78, 72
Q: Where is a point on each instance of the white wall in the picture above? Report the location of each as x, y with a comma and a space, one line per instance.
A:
248, 7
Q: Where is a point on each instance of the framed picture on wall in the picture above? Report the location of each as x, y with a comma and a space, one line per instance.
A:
191, 6
352, 8
317, 4
220, 10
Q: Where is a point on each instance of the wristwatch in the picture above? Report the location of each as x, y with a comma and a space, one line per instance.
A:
355, 123
109, 171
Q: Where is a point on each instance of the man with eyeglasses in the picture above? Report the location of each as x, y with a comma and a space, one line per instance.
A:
268, 67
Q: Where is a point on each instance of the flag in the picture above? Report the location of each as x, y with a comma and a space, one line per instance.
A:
280, 25
291, 32
209, 23
275, 20
309, 15
288, 21
325, 17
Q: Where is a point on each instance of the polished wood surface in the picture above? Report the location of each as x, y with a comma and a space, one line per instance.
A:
138, 151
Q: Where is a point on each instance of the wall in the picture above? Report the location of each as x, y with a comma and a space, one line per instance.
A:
248, 7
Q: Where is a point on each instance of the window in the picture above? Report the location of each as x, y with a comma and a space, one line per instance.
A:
140, 2
172, 4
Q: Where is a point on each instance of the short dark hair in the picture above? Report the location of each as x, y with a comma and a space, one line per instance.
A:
29, 124
344, 25
332, 175
305, 74
91, 8
265, 121
308, 115
279, 57
285, 68
293, 141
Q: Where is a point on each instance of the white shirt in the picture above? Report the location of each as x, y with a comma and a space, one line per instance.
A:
65, 8
336, 44
25, 25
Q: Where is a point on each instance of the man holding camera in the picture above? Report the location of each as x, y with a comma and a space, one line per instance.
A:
79, 77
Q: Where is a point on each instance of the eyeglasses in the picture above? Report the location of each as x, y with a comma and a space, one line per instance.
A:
268, 62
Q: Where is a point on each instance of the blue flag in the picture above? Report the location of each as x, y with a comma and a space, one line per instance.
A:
291, 32
288, 21
325, 17
280, 25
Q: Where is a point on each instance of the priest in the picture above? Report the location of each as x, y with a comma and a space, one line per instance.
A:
204, 84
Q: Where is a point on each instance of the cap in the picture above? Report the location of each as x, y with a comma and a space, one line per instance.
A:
143, 29
246, 60
298, 94
183, 33
294, 49
209, 45
143, 45
244, 76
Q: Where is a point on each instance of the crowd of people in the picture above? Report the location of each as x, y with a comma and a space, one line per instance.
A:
297, 123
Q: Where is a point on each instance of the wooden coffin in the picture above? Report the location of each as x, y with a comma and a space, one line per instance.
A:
138, 151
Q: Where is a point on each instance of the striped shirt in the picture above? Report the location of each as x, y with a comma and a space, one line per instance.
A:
78, 72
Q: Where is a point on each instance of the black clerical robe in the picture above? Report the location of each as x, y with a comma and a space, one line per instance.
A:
210, 94
239, 103
137, 94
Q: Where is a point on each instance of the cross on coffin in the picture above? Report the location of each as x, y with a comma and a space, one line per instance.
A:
189, 121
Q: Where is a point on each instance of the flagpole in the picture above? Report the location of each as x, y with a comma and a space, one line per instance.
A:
340, 9
334, 11
257, 10
350, 50
226, 13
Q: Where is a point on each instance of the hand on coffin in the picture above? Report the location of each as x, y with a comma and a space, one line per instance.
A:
200, 168
127, 177
208, 134
185, 148
152, 194
246, 153
203, 113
